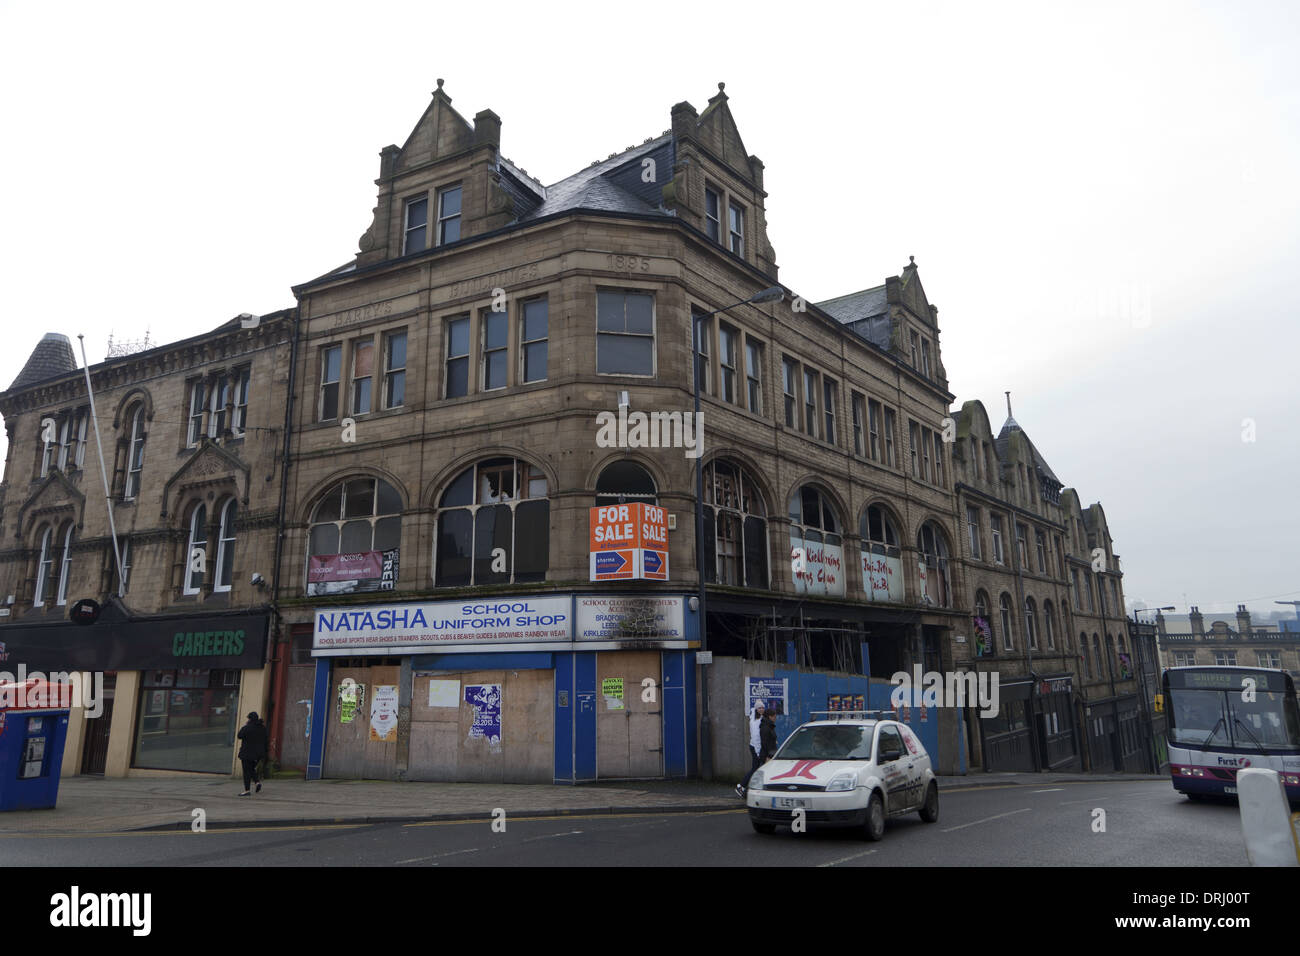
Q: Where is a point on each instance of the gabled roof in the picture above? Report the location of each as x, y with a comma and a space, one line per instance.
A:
51, 358
1004, 439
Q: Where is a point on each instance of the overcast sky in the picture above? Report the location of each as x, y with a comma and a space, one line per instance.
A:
1102, 200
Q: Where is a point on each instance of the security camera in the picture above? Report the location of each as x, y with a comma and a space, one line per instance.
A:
258, 580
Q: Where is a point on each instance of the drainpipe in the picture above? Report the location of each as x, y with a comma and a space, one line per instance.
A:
279, 660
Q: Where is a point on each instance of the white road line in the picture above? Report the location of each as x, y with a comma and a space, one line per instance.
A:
986, 820
1050, 790
437, 856
847, 858
551, 836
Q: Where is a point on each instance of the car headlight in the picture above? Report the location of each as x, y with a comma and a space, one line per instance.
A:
843, 781
756, 781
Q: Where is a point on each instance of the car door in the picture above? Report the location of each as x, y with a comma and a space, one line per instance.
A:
891, 762
917, 761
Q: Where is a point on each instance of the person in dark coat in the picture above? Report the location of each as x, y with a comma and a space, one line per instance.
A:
767, 736
252, 750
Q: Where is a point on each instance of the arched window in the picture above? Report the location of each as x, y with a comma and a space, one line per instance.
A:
1125, 671
1048, 629
816, 548
933, 565
44, 566
983, 626
1031, 623
882, 562
64, 565
624, 481
1097, 658
355, 537
735, 527
494, 525
196, 552
226, 547
135, 452
1004, 605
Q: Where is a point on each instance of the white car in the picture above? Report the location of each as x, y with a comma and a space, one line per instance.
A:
846, 772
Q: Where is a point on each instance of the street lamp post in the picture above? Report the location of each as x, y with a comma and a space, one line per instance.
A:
772, 294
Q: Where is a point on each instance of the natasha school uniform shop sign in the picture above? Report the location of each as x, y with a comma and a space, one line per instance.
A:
414, 628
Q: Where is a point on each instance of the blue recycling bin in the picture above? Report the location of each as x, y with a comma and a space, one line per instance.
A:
31, 757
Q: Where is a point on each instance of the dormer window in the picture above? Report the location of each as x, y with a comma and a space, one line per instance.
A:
736, 226
448, 215
417, 221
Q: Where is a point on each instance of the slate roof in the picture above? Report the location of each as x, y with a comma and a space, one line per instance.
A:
51, 358
1004, 438
856, 305
593, 188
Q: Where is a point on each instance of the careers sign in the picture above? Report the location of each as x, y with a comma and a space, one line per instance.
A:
629, 542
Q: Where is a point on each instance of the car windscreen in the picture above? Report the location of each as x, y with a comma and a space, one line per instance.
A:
828, 742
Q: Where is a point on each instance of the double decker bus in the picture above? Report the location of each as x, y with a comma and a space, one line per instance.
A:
1223, 719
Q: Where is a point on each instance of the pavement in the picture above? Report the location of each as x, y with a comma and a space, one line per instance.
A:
99, 805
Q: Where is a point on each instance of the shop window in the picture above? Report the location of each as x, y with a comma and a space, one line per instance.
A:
187, 720
933, 565
735, 527
494, 524
816, 546
355, 538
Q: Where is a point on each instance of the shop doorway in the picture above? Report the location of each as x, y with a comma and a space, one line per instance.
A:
350, 751
629, 728
94, 756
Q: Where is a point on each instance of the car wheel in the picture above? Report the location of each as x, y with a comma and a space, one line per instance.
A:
930, 809
874, 828
764, 828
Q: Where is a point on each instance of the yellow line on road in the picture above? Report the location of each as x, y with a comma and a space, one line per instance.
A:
178, 832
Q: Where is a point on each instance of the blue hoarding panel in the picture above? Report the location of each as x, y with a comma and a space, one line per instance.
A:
564, 707
584, 717
675, 727
320, 712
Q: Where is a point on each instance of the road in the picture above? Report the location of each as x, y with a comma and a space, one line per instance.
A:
1146, 824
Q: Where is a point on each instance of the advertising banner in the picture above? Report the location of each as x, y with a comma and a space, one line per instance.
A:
818, 567
348, 573
381, 630
882, 577
610, 617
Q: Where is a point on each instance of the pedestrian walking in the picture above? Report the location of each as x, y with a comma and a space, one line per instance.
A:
767, 737
755, 746
253, 749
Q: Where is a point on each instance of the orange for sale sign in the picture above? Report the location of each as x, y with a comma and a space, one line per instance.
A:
629, 541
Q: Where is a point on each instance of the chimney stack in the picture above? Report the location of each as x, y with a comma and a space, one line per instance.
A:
1160, 623
1197, 622
1243, 621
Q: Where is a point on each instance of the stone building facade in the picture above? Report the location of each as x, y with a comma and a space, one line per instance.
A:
1223, 644
429, 451
192, 436
1045, 593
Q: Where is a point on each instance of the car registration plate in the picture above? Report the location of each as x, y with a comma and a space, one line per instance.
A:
785, 802
1229, 789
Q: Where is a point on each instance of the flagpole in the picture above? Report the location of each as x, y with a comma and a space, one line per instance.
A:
103, 472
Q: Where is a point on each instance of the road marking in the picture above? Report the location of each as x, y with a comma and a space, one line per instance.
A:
551, 836
180, 832
845, 859
584, 816
987, 819
1050, 790
437, 856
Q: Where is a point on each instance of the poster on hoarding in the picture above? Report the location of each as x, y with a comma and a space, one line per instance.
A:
485, 701
772, 691
383, 713
351, 698
611, 688
348, 573
444, 693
